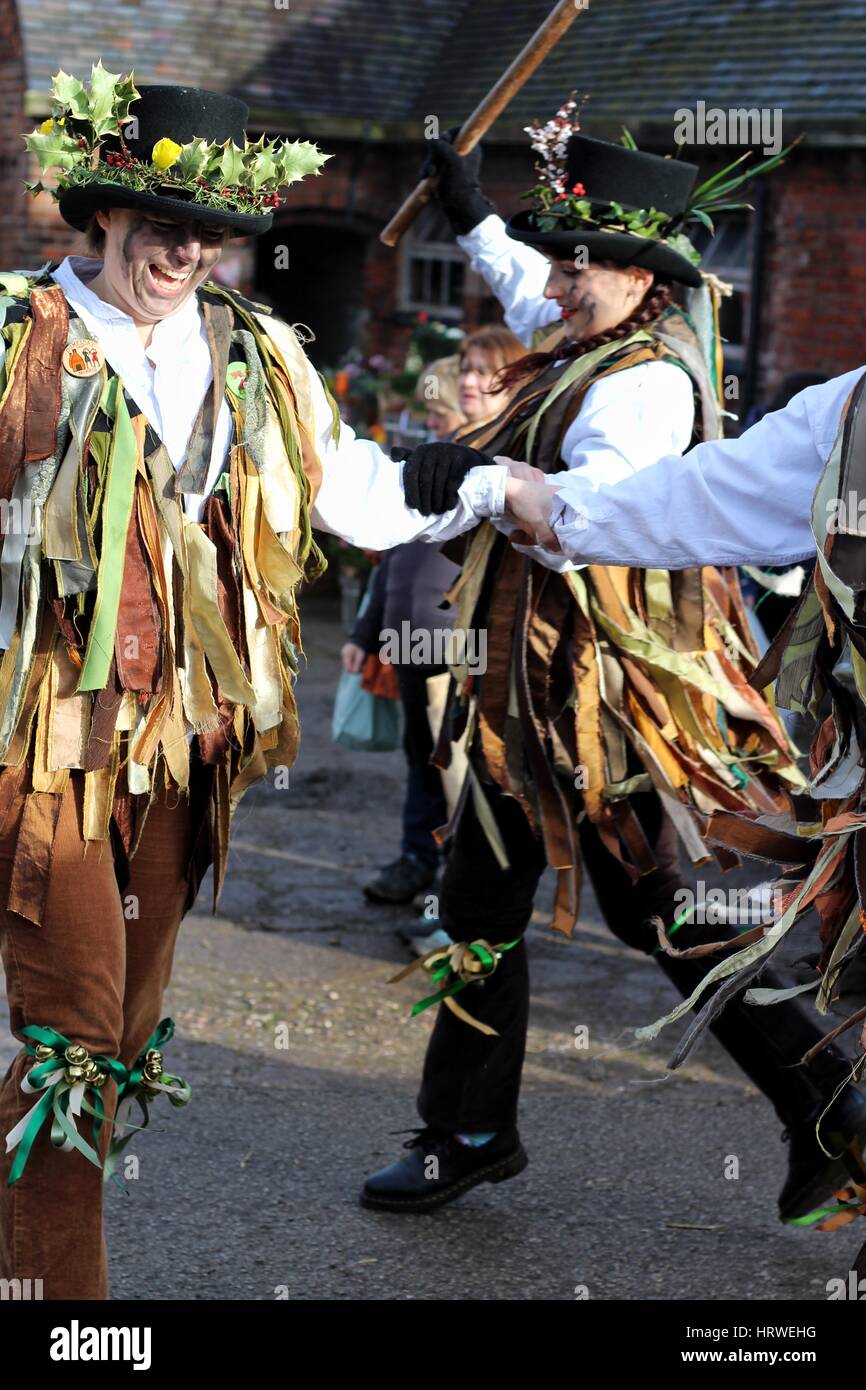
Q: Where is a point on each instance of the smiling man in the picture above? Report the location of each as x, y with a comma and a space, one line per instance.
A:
179, 448
152, 265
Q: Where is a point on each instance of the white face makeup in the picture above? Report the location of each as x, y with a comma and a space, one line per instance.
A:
152, 264
597, 297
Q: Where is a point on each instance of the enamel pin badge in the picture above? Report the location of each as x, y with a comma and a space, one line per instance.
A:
83, 357
236, 379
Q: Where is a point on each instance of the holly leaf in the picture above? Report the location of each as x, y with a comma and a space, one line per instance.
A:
69, 93
192, 159
125, 94
56, 150
103, 85
231, 163
260, 170
298, 158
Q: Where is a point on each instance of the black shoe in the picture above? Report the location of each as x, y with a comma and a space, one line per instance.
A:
400, 881
405, 1186
812, 1176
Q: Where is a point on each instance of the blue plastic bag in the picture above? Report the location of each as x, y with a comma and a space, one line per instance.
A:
368, 723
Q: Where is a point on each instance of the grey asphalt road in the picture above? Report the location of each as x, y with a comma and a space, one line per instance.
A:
304, 1064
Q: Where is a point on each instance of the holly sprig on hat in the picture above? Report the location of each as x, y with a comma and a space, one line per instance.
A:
70, 143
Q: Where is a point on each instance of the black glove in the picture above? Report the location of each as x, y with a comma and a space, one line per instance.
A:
459, 193
432, 474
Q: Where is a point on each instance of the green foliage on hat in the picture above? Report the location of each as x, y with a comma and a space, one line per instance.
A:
69, 143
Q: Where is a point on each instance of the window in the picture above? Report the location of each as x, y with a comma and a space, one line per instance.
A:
432, 268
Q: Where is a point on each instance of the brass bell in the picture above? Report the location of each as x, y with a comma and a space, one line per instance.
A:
152, 1069
90, 1069
76, 1054
43, 1052
98, 1079
74, 1074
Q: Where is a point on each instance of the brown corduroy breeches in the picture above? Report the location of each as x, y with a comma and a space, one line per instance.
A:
95, 971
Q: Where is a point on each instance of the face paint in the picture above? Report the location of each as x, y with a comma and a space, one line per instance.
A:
154, 264
593, 299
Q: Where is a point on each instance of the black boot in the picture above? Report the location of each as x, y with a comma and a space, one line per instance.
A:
812, 1176
438, 1168
400, 881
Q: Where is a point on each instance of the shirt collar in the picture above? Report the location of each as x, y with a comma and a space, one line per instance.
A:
72, 276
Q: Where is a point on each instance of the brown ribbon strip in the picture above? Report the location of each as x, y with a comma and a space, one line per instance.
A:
12, 420
138, 637
44, 350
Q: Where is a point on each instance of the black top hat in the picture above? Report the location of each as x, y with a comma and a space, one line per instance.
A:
178, 114
637, 181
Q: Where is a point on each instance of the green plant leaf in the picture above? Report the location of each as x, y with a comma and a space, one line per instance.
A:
231, 162
297, 159
125, 95
628, 139
191, 160
102, 92
699, 215
261, 170
57, 150
69, 93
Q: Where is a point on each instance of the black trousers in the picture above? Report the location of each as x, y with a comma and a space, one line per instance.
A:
424, 807
471, 1082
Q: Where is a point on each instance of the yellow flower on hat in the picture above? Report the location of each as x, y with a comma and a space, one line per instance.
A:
165, 153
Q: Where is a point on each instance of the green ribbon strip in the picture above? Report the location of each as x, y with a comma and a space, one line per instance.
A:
116, 512
811, 1218
442, 970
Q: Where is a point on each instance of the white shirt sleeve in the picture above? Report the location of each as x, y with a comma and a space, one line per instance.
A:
627, 420
516, 273
727, 502
361, 496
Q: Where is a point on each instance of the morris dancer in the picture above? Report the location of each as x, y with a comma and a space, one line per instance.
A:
632, 679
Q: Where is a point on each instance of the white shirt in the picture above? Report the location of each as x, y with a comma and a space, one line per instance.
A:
627, 420
167, 380
727, 502
361, 497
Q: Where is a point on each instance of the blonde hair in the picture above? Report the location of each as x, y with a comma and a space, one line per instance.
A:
436, 388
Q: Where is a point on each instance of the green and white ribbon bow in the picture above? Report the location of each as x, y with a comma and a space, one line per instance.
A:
64, 1073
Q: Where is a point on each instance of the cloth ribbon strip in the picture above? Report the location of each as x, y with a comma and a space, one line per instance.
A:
451, 969
143, 1082
64, 1071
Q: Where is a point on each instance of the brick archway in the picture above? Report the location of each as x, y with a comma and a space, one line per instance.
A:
12, 124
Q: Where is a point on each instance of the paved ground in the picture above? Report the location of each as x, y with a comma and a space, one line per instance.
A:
251, 1192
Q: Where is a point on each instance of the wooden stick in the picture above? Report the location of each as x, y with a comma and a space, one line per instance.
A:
475, 128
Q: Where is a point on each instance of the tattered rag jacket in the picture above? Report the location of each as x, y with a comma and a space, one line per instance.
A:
142, 648
605, 682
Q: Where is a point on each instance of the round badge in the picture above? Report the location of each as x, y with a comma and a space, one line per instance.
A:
83, 357
236, 379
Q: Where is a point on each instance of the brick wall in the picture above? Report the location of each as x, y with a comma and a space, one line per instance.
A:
813, 291
11, 126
